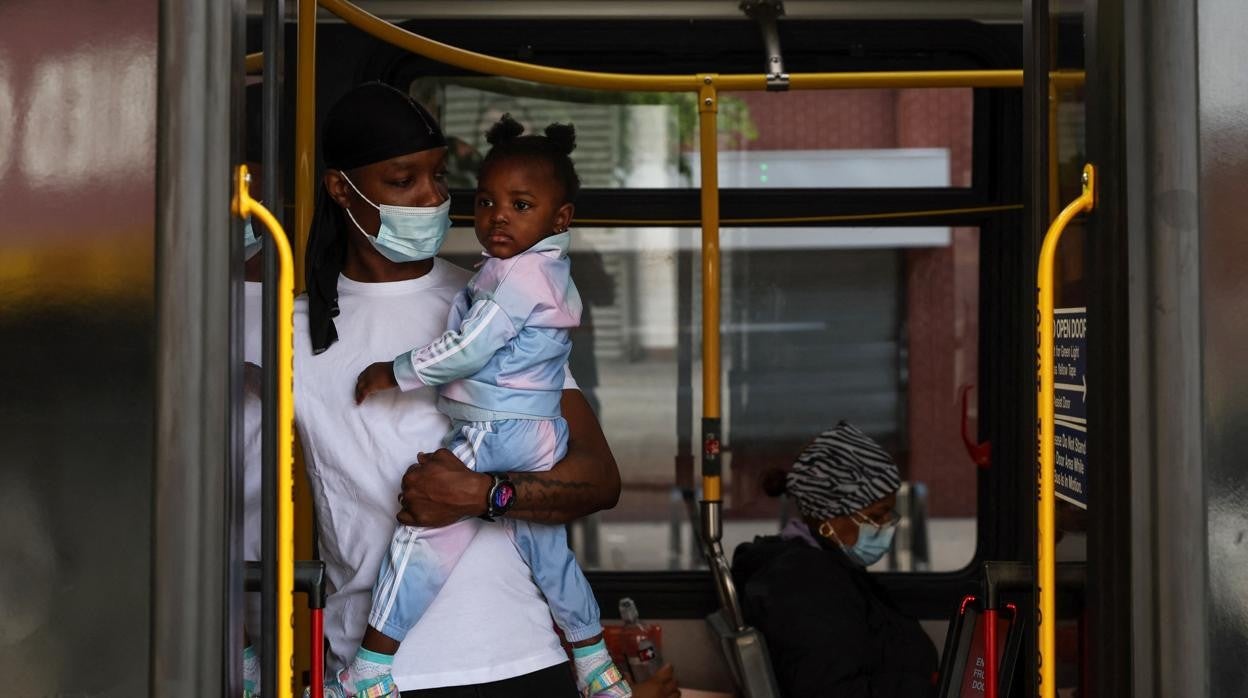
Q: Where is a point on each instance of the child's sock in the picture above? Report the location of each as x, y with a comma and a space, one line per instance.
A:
368, 675
596, 674
251, 673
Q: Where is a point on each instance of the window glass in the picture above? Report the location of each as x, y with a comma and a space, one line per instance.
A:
878, 326
805, 139
845, 139
624, 139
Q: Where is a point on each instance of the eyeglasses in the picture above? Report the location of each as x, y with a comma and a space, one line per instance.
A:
886, 520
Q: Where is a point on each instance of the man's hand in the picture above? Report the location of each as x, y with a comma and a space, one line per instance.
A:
374, 379
661, 685
439, 490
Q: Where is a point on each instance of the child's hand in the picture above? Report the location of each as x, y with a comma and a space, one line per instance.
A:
374, 379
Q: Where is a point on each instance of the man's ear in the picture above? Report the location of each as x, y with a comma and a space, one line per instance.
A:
563, 217
337, 187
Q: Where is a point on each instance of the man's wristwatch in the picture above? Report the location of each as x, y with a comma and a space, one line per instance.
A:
502, 495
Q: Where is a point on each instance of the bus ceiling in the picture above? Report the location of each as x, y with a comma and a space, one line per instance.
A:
980, 10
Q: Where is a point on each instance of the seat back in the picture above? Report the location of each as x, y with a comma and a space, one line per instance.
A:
963, 669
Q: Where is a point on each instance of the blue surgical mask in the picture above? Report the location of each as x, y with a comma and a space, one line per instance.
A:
251, 243
873, 541
407, 233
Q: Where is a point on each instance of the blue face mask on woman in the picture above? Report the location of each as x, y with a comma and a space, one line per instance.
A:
873, 539
407, 233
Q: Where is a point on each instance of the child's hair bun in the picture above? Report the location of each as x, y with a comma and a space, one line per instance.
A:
563, 136
507, 129
774, 482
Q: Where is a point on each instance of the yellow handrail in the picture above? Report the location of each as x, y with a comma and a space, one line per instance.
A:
1046, 569
708, 135
1062, 79
491, 65
244, 206
469, 60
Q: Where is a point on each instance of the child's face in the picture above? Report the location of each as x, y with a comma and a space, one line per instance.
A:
518, 204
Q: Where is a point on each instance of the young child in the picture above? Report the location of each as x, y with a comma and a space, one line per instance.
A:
501, 365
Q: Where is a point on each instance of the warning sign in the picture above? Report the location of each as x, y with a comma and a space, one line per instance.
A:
1070, 404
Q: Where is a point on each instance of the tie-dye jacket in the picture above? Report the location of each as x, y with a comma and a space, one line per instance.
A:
507, 339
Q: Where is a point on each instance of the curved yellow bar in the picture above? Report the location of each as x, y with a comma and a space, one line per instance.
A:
1046, 569
468, 60
245, 206
490, 65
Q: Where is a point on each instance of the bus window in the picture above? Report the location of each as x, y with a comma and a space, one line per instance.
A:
622, 140
875, 325
846, 139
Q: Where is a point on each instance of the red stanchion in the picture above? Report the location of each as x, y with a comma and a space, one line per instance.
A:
990, 652
318, 654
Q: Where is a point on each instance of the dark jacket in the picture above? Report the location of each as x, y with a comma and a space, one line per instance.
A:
829, 627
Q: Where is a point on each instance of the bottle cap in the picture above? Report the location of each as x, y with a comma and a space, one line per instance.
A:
628, 610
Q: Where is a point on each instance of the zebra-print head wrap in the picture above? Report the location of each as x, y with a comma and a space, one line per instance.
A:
842, 471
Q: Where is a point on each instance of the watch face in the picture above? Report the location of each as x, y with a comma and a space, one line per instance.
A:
504, 493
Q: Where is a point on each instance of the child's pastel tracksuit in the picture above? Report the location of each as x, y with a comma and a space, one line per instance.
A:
501, 363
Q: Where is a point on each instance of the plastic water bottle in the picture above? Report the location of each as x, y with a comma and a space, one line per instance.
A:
643, 656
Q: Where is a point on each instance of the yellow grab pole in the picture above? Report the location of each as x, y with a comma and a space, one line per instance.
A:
708, 139
1046, 569
305, 131
245, 206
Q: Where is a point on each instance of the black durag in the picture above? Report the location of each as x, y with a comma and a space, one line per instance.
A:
371, 123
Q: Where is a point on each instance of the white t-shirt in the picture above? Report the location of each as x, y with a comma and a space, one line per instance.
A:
253, 300
490, 621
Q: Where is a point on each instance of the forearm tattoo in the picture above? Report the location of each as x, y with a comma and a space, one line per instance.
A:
544, 499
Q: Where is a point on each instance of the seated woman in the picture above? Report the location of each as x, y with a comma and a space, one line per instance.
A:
830, 627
